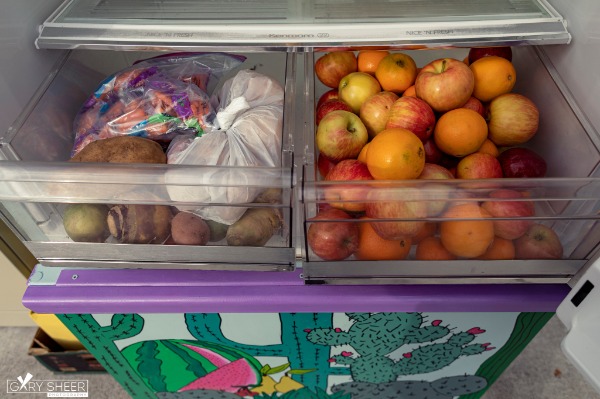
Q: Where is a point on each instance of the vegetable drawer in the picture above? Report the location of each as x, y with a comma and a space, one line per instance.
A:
235, 211
560, 209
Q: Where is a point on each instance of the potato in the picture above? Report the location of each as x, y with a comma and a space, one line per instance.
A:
140, 224
255, 227
189, 229
122, 149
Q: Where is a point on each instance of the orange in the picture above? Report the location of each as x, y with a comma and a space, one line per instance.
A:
493, 76
431, 248
467, 238
368, 60
362, 156
488, 147
371, 246
460, 132
410, 92
428, 229
396, 72
501, 249
395, 154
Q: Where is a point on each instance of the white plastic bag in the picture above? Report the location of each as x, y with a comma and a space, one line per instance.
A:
249, 119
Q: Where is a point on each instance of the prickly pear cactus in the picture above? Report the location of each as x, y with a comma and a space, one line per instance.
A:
375, 336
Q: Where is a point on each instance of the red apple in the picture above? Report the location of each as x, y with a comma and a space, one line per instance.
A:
522, 162
324, 165
413, 114
348, 197
513, 119
328, 95
478, 165
330, 105
539, 242
511, 208
475, 105
356, 87
332, 67
476, 53
331, 235
402, 204
432, 153
445, 84
374, 112
435, 172
341, 135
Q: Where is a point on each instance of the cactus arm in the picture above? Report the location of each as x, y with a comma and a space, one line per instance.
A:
461, 339
474, 349
358, 317
343, 360
427, 334
329, 337
123, 326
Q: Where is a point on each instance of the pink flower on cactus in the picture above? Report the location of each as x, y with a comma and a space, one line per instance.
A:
407, 355
436, 323
475, 331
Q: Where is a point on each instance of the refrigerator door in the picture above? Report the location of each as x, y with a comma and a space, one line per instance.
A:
579, 312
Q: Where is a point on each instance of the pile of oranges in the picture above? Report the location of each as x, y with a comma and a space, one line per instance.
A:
398, 153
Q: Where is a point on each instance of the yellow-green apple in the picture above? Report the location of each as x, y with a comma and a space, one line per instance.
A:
328, 95
413, 114
538, 242
375, 110
404, 207
396, 72
445, 84
476, 105
341, 135
476, 53
330, 105
332, 235
437, 194
333, 66
513, 119
506, 203
356, 87
348, 197
522, 162
324, 164
478, 165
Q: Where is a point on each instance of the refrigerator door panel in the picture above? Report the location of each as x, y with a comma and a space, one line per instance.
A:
579, 313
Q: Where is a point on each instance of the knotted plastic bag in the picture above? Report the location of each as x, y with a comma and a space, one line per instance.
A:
247, 132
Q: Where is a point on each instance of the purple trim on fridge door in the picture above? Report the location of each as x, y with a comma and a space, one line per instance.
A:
190, 291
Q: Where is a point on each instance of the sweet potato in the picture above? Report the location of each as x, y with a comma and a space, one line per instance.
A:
254, 228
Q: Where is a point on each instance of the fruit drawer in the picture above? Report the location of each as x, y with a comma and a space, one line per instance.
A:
180, 176
402, 210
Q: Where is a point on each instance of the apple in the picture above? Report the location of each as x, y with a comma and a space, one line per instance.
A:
538, 242
446, 192
374, 112
522, 162
513, 119
347, 196
445, 84
478, 165
328, 95
341, 135
432, 153
413, 114
336, 239
476, 53
328, 106
475, 105
401, 204
511, 208
332, 67
324, 164
356, 87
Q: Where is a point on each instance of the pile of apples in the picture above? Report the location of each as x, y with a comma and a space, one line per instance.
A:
359, 106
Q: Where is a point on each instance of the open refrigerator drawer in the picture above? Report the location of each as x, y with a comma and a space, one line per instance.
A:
128, 209
563, 215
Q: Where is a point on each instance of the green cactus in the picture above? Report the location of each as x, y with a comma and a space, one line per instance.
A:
99, 340
375, 336
300, 353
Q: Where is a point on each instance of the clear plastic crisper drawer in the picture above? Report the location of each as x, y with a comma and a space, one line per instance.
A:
275, 24
121, 214
559, 230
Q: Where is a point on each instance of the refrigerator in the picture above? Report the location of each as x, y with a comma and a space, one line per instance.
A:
170, 319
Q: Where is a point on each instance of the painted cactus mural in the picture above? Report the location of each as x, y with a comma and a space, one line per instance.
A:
375, 336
